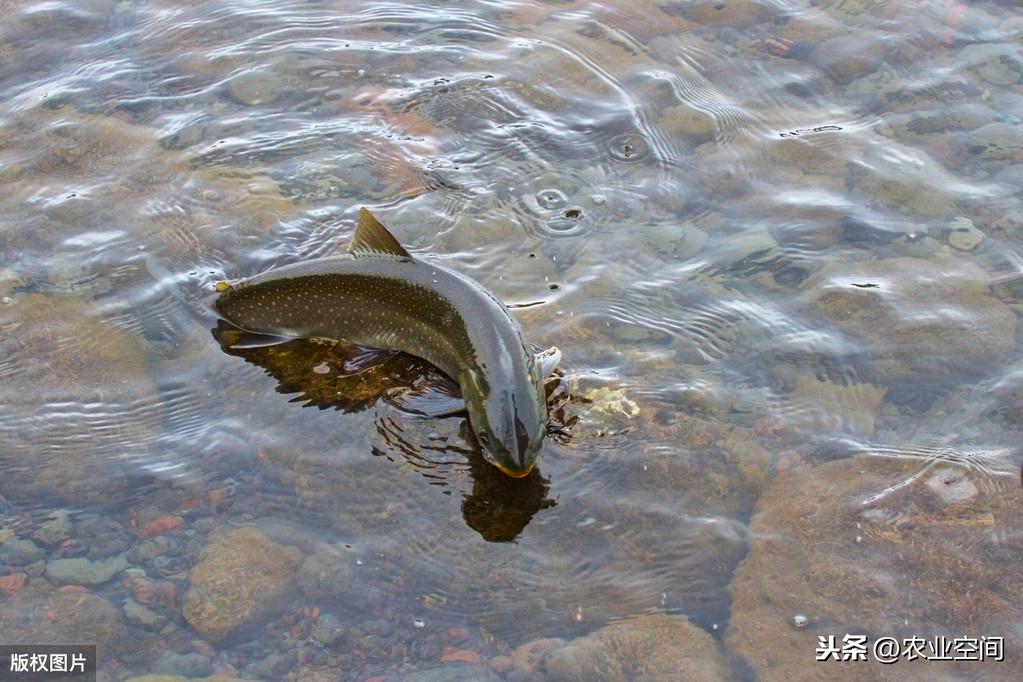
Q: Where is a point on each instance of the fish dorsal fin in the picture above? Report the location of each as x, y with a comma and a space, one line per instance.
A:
373, 239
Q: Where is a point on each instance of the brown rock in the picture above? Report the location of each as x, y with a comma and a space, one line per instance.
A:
13, 582
918, 196
529, 656
106, 365
502, 664
41, 615
683, 121
847, 57
653, 647
734, 13
921, 316
243, 578
884, 547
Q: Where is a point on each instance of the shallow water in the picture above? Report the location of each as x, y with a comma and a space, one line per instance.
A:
778, 244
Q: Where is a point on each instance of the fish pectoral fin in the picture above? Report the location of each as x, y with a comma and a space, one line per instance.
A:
358, 359
429, 400
239, 339
373, 239
549, 359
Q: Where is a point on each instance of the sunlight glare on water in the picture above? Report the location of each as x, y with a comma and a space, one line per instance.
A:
775, 242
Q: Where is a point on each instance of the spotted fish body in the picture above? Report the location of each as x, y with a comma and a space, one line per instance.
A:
379, 295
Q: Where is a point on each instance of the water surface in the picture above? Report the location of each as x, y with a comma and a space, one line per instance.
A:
778, 244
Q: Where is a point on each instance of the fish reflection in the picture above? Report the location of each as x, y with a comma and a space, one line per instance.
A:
331, 375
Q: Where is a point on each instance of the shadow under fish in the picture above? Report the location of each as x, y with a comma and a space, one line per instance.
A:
328, 374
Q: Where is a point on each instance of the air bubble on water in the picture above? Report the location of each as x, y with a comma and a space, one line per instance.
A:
628, 147
598, 199
859, 539
418, 623
551, 199
800, 621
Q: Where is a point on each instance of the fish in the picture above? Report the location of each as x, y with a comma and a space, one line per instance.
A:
380, 296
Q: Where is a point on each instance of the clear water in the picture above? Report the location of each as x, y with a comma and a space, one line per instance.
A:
778, 244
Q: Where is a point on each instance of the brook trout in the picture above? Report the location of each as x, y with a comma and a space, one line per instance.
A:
381, 296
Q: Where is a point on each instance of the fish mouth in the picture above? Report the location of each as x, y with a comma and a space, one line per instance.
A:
515, 473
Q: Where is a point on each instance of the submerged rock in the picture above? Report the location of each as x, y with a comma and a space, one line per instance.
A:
867, 545
454, 672
93, 377
252, 88
998, 64
918, 316
56, 529
82, 571
327, 573
191, 665
46, 616
824, 406
997, 141
243, 578
654, 647
19, 552
896, 189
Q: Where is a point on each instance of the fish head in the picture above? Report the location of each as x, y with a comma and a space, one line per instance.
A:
510, 422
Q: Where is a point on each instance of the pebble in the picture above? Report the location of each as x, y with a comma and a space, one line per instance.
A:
81, 571
380, 627
998, 64
997, 140
454, 672
57, 529
189, 665
144, 616
150, 549
964, 235
13, 582
19, 552
328, 629
254, 87
162, 525
952, 485
452, 654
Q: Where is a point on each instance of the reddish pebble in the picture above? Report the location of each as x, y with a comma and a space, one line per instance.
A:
457, 635
162, 525
67, 543
376, 678
73, 589
51, 616
191, 504
170, 594
452, 655
296, 632
502, 665
314, 613
12, 583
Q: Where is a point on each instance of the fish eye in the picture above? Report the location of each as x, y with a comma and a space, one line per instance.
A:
484, 440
